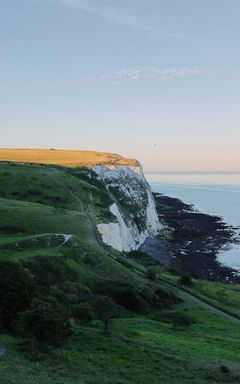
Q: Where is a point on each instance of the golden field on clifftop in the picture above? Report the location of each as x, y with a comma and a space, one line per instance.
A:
69, 158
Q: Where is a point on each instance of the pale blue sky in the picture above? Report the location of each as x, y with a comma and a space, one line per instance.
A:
157, 80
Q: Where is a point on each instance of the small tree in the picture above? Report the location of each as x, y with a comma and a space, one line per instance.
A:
185, 281
105, 309
180, 320
46, 321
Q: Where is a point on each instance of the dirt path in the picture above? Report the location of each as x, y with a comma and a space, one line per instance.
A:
90, 227
202, 303
211, 308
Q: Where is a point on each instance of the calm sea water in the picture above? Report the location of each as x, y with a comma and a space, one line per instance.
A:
215, 194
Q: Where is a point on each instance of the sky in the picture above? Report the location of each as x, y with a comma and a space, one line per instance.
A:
156, 80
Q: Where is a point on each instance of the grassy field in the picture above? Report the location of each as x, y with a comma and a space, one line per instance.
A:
48, 199
45, 185
18, 216
63, 157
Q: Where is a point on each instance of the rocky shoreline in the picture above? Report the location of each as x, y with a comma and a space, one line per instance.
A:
194, 240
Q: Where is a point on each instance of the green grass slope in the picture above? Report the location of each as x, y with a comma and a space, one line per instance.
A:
148, 341
138, 350
40, 204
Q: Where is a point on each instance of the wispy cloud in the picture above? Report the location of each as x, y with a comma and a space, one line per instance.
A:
108, 13
116, 16
146, 75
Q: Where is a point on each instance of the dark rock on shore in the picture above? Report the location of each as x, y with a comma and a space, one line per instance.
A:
195, 240
158, 249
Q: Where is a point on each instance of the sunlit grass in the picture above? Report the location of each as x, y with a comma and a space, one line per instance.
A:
63, 157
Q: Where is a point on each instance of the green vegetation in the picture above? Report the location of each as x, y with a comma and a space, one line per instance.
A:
46, 321
185, 281
16, 292
226, 297
75, 311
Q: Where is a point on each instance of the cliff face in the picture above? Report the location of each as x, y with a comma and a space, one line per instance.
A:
133, 208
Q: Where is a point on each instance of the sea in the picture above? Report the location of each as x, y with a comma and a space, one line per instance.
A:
211, 193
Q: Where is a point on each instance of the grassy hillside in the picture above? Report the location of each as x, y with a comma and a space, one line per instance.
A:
223, 296
138, 349
50, 254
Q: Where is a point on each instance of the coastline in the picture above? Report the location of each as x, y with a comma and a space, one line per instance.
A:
195, 240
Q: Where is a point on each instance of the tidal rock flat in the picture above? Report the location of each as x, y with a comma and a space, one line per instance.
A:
195, 240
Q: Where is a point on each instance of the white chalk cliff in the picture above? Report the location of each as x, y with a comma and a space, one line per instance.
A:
133, 208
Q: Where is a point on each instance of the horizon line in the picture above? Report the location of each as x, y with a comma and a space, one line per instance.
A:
192, 172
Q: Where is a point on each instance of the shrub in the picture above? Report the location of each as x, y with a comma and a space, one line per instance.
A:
185, 281
179, 319
46, 320
123, 294
224, 369
82, 312
151, 274
16, 292
130, 299
164, 299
